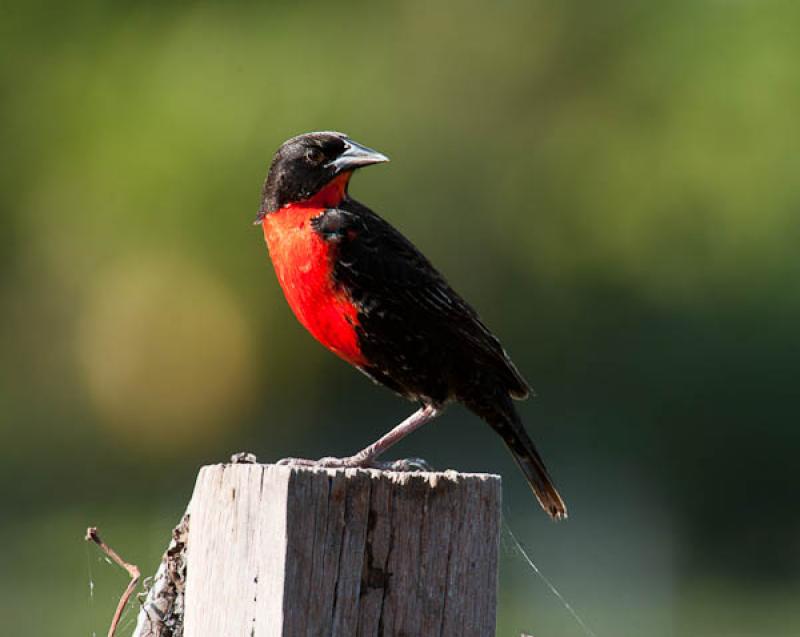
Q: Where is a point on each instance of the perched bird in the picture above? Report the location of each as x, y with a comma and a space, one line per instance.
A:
367, 294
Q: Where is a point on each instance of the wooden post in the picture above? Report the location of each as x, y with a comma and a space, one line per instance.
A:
275, 551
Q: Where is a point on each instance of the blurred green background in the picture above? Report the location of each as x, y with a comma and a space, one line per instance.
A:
614, 185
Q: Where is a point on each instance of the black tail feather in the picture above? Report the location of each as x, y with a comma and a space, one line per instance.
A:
505, 420
529, 460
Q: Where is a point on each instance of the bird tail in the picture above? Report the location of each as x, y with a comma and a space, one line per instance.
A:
505, 420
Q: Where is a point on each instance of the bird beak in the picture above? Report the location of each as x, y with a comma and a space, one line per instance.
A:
356, 156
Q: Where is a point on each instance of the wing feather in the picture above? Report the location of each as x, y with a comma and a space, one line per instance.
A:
392, 281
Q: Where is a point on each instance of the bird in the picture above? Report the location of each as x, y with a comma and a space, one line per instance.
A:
366, 293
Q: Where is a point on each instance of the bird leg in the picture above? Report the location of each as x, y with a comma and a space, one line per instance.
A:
368, 455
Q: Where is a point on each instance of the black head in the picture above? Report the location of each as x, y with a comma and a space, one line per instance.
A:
304, 164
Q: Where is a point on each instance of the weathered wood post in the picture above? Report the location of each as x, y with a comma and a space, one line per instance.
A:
278, 551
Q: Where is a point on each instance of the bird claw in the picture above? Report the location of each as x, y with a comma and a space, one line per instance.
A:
327, 462
402, 465
244, 457
296, 462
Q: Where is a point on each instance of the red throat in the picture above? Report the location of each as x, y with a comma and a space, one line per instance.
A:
304, 265
330, 195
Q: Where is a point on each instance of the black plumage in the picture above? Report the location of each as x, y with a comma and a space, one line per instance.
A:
421, 338
415, 334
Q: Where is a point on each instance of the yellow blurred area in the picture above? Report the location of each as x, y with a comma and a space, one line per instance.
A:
165, 352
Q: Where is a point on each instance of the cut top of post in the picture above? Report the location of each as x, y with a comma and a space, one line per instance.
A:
278, 551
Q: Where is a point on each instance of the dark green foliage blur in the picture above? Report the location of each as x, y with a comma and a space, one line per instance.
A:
615, 186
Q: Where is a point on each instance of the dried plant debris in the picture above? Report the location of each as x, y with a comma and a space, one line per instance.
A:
161, 614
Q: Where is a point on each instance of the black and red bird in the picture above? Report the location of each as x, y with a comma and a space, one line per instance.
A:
367, 294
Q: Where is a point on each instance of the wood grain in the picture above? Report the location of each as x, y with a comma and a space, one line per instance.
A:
289, 551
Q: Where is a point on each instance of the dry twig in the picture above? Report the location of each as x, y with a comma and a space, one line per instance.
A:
93, 536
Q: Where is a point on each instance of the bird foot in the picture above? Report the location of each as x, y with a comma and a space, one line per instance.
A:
244, 457
404, 464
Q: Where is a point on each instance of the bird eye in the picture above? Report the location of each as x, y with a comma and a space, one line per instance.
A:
314, 155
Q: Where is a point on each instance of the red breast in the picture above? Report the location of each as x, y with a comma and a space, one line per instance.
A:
303, 262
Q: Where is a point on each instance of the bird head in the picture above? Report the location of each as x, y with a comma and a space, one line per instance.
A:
307, 165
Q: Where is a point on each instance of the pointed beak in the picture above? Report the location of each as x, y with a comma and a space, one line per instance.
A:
356, 156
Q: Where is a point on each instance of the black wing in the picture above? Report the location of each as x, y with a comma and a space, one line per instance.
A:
422, 339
